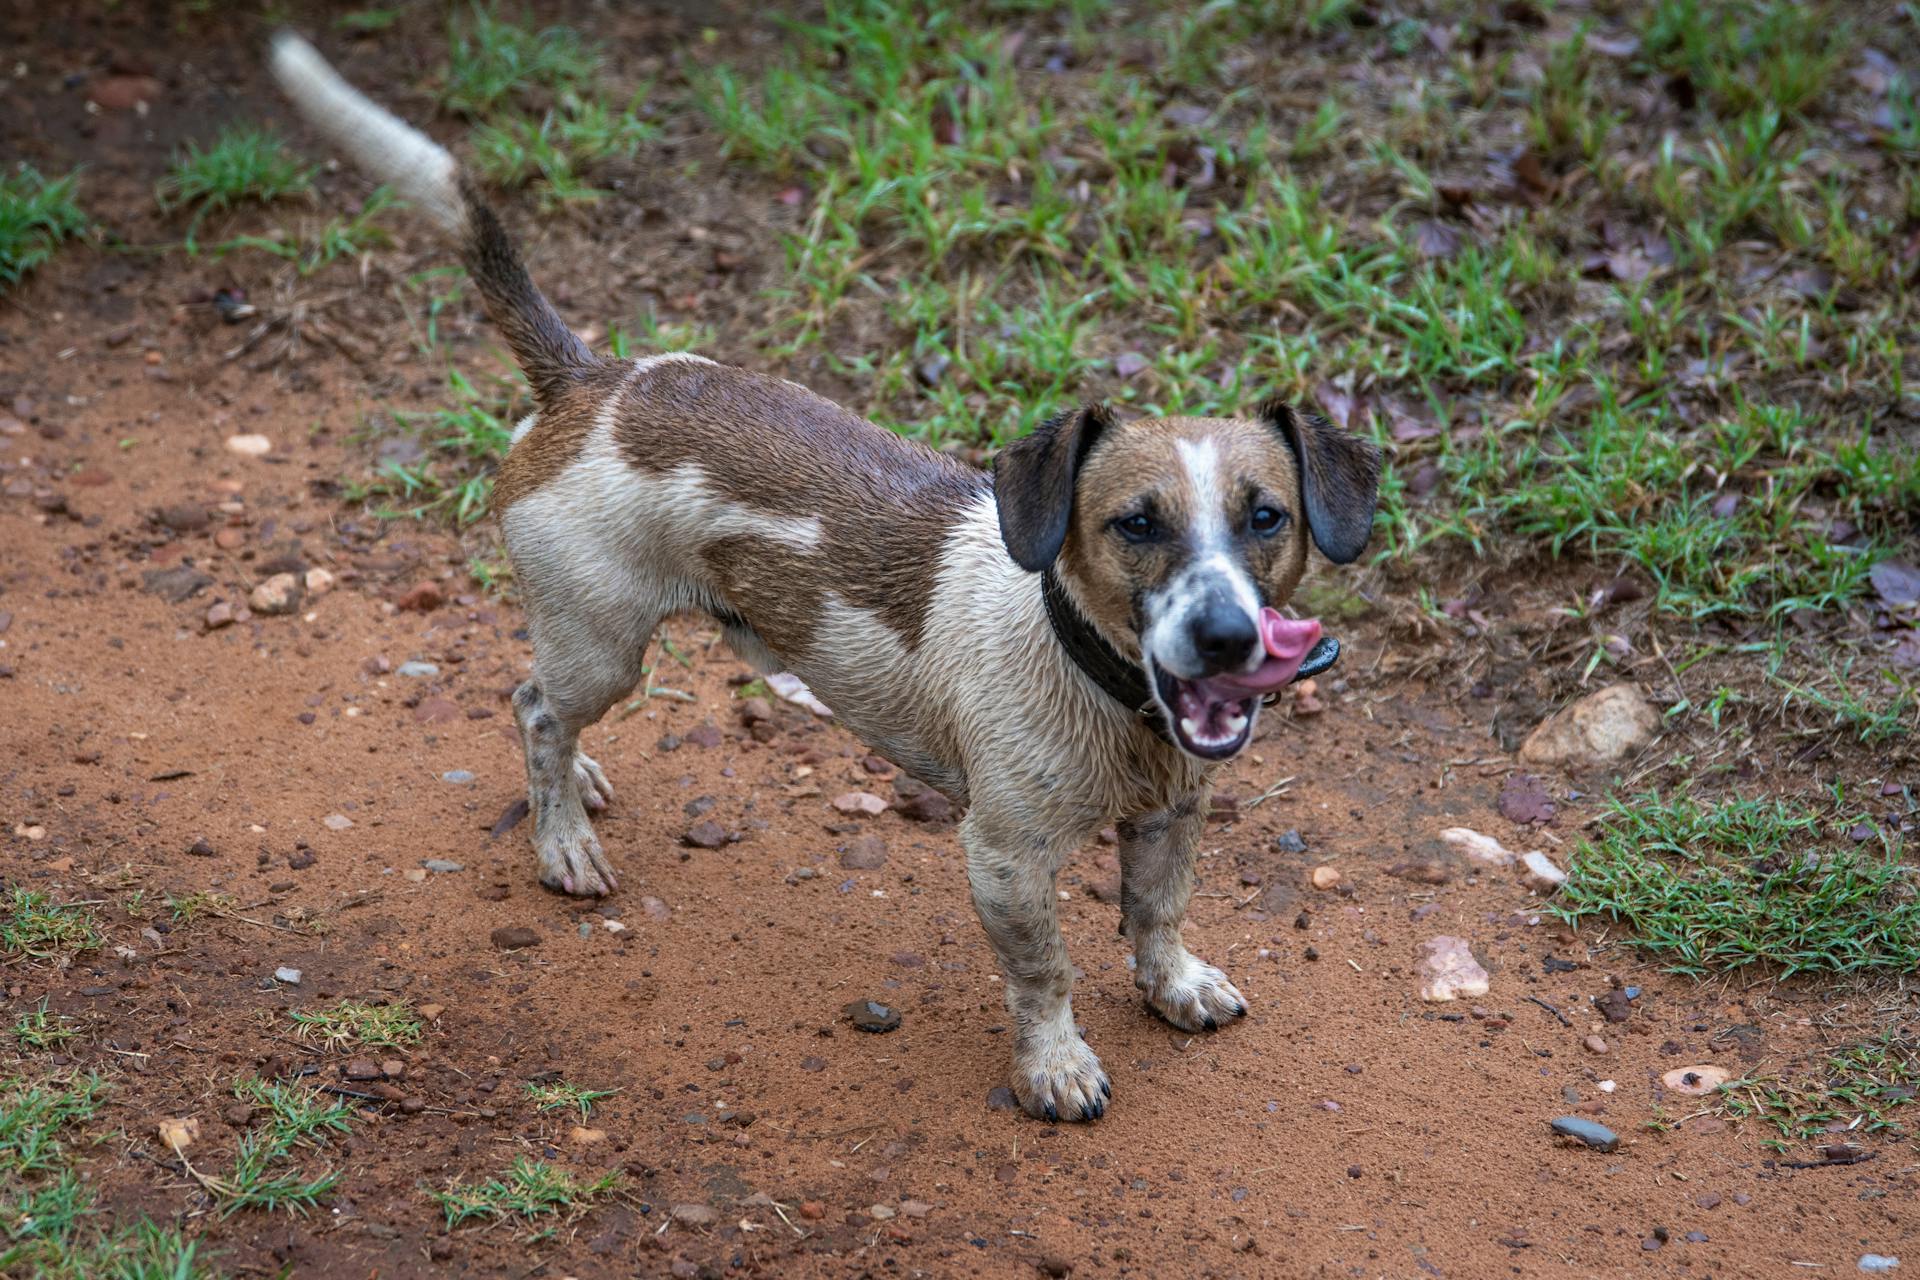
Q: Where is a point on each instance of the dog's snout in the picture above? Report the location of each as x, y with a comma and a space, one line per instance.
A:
1224, 637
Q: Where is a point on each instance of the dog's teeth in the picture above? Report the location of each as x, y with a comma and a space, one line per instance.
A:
1188, 727
1235, 723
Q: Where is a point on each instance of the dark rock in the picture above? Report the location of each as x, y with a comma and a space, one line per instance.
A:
182, 582
866, 853
511, 939
1289, 842
871, 1015
706, 835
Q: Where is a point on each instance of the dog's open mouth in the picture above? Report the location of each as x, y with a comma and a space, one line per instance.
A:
1213, 717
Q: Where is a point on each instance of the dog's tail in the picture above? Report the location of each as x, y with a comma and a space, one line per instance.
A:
422, 171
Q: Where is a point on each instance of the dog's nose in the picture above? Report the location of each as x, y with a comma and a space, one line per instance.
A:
1224, 637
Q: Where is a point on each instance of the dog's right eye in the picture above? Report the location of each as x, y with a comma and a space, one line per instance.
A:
1136, 527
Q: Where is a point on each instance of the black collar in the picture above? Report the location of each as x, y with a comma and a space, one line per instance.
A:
1124, 681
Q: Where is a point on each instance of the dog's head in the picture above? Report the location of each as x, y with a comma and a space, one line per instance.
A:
1177, 536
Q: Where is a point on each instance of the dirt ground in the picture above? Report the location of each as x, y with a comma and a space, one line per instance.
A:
1344, 1128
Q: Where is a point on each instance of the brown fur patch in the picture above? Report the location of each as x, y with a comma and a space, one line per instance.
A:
885, 505
557, 438
1137, 467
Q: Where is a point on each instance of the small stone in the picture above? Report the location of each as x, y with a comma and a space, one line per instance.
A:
177, 1135
249, 446
706, 835
1289, 842
1000, 1098
813, 1064
812, 1210
915, 1208
1600, 729
694, 1215
1597, 1136
185, 517
361, 1069
288, 975
437, 711
655, 909
755, 711
1695, 1082
333, 822
423, 597
1325, 877
866, 853
1540, 874
1877, 1263
458, 777
512, 939
319, 581
1421, 872
200, 848
881, 1212
219, 615
585, 1137
279, 594
443, 866
414, 669
1607, 1086
871, 1015
862, 802
926, 805
1594, 1044
1448, 970
1129, 363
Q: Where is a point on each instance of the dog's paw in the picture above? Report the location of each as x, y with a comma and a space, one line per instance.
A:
1192, 995
591, 782
1059, 1078
574, 864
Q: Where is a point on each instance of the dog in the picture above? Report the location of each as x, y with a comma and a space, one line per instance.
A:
1077, 638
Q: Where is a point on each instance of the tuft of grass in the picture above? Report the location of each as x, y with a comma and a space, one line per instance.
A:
36, 214
35, 926
528, 1189
243, 164
334, 240
557, 150
258, 1180
469, 437
39, 1029
562, 1096
185, 908
1718, 886
491, 61
360, 1023
1859, 1086
297, 1113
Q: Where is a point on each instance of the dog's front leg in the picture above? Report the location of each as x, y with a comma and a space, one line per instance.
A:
1156, 882
1055, 1075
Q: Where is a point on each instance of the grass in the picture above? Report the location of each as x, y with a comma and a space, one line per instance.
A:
35, 926
37, 1029
265, 1173
561, 1096
243, 164
527, 1190
36, 214
360, 1024
492, 62
319, 245
1858, 1086
468, 438
1712, 887
48, 1210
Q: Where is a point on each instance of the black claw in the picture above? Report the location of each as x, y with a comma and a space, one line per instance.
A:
1239, 1011
1053, 1114
1210, 1024
1096, 1109
1106, 1090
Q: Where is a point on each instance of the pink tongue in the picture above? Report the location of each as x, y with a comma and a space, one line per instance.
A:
1288, 640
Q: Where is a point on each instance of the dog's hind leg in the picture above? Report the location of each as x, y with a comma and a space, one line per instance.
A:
1156, 883
577, 675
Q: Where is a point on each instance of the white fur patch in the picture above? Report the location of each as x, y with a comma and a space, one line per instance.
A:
1214, 567
374, 138
525, 425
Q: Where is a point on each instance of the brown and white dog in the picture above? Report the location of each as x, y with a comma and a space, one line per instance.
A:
1076, 639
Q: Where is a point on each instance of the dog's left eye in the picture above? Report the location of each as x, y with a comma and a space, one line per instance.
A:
1267, 520
1136, 527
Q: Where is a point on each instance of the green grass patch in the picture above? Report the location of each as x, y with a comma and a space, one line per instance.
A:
361, 1024
528, 1190
266, 1172
467, 439
555, 152
39, 1029
36, 214
243, 164
1860, 1086
561, 1096
493, 62
1710, 887
35, 926
320, 244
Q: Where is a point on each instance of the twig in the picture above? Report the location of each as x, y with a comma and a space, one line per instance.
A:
1550, 1009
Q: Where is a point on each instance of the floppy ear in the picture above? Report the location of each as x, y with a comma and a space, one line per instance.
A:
1339, 479
1033, 483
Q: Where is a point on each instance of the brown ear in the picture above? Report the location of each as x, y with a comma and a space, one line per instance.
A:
1339, 479
1033, 483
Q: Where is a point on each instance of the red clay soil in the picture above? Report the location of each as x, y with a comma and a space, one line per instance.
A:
1344, 1128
